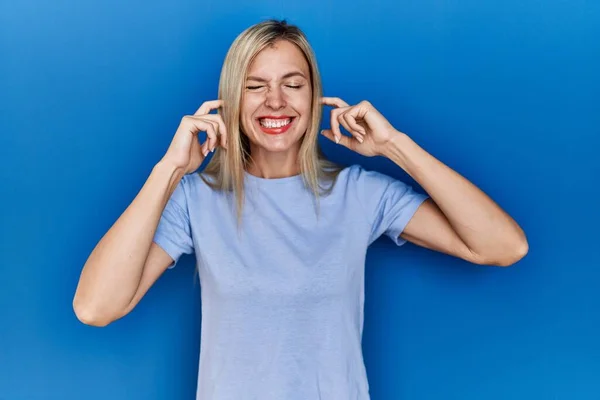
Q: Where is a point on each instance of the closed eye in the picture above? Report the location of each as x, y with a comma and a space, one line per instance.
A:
258, 87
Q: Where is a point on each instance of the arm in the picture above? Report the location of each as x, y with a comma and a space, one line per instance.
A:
126, 262
459, 219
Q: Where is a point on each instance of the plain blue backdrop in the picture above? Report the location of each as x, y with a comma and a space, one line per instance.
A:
505, 92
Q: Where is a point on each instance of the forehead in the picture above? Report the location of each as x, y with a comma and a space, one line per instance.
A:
280, 58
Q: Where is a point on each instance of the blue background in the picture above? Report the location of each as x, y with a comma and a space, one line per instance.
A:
505, 92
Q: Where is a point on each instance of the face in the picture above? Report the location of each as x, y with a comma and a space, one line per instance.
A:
276, 104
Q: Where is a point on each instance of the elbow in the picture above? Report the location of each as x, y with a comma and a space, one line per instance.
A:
502, 257
90, 315
515, 255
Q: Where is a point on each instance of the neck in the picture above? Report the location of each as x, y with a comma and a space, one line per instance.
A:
273, 165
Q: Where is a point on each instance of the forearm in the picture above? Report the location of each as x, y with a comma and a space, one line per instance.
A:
112, 273
482, 225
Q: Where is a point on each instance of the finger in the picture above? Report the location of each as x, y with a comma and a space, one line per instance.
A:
333, 101
207, 126
359, 111
211, 135
335, 123
222, 131
328, 133
352, 131
345, 141
339, 103
208, 106
354, 126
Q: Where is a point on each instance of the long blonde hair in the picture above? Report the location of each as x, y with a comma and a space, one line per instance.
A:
226, 167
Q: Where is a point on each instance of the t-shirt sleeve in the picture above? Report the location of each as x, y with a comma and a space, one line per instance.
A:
173, 233
388, 203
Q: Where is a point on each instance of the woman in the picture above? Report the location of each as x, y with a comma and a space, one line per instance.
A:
280, 233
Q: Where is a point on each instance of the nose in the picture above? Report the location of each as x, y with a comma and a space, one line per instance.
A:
274, 98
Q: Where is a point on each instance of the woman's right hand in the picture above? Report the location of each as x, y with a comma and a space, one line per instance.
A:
185, 151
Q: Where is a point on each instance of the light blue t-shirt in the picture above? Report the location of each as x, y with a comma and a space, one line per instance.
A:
282, 298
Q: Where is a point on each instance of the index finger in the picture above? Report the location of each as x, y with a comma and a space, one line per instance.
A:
333, 101
207, 106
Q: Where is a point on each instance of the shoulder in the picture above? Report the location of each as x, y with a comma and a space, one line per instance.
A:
372, 188
190, 188
358, 176
195, 183
350, 173
361, 184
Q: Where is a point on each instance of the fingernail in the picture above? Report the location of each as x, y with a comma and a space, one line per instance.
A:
337, 139
360, 139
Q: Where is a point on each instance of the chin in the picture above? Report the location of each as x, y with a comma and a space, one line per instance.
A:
278, 142
277, 145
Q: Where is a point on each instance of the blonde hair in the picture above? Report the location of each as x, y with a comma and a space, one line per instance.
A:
226, 167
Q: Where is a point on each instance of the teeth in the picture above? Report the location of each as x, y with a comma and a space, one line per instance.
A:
274, 123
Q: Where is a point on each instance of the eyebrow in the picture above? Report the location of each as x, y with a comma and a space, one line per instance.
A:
288, 75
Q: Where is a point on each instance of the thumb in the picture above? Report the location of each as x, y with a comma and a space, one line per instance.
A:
329, 135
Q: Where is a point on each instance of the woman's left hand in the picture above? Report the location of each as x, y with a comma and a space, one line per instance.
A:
370, 131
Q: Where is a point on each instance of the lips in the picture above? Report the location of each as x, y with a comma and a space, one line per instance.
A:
275, 116
275, 125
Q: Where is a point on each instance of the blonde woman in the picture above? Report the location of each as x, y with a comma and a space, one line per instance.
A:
279, 232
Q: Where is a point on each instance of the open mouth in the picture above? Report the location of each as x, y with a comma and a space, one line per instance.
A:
275, 126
